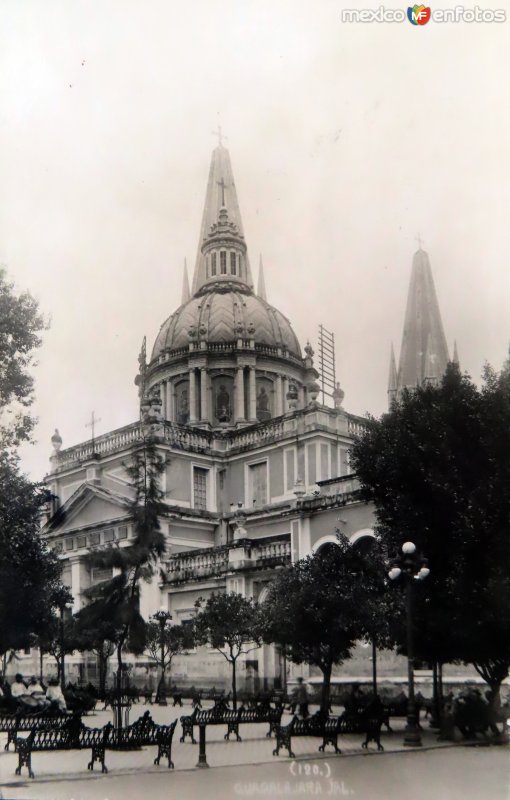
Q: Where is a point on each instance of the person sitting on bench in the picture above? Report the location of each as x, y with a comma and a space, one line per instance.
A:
55, 695
19, 691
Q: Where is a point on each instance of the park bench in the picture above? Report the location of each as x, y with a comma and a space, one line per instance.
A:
222, 715
329, 728
66, 737
12, 724
399, 709
75, 736
145, 733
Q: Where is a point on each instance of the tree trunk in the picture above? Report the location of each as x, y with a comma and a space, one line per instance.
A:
103, 665
435, 720
234, 687
495, 710
326, 689
374, 668
41, 660
159, 695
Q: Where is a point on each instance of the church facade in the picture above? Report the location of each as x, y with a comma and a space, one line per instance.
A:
257, 471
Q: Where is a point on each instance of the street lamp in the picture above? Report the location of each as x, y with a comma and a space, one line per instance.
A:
413, 568
162, 616
62, 605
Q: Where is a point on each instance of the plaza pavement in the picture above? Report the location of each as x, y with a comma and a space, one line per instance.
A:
52, 769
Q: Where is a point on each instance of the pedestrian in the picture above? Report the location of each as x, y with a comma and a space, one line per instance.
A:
302, 698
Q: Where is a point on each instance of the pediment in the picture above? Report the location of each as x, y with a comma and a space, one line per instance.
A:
89, 506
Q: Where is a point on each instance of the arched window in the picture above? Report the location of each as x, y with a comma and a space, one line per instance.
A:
213, 266
363, 540
233, 263
223, 262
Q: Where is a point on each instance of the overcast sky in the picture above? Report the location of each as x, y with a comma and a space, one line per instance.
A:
346, 140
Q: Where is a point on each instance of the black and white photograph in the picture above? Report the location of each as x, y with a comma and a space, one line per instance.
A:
254, 400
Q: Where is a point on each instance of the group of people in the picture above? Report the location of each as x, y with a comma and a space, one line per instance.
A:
33, 694
470, 712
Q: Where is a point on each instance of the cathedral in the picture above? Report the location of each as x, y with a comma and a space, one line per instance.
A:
257, 470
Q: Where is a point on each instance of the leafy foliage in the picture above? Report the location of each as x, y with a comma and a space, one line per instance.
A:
230, 623
176, 639
99, 636
437, 468
20, 328
318, 607
116, 601
59, 636
29, 572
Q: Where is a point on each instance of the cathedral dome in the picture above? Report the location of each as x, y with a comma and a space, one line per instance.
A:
225, 311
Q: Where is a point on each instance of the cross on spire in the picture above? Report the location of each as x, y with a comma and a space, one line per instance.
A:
92, 424
222, 184
220, 136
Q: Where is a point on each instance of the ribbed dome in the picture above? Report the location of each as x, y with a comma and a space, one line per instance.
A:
225, 312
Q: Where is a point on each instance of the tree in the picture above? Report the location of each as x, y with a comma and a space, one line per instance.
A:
437, 468
59, 636
232, 624
30, 574
318, 607
20, 328
116, 601
99, 637
176, 640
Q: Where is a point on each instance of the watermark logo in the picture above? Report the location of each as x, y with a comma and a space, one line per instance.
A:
418, 15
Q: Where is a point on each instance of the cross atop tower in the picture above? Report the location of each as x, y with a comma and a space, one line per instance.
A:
92, 424
220, 136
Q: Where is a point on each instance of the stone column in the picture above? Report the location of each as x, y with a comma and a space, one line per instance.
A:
169, 404
279, 396
76, 585
253, 395
285, 387
204, 404
192, 396
162, 394
239, 391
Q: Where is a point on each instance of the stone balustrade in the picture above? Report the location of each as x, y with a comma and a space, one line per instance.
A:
198, 440
214, 561
197, 564
274, 550
103, 445
355, 426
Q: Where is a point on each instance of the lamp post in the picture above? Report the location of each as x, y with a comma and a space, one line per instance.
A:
162, 616
413, 568
63, 604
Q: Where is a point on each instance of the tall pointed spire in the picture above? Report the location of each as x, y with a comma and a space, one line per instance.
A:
185, 284
261, 286
424, 349
221, 221
455, 354
392, 378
